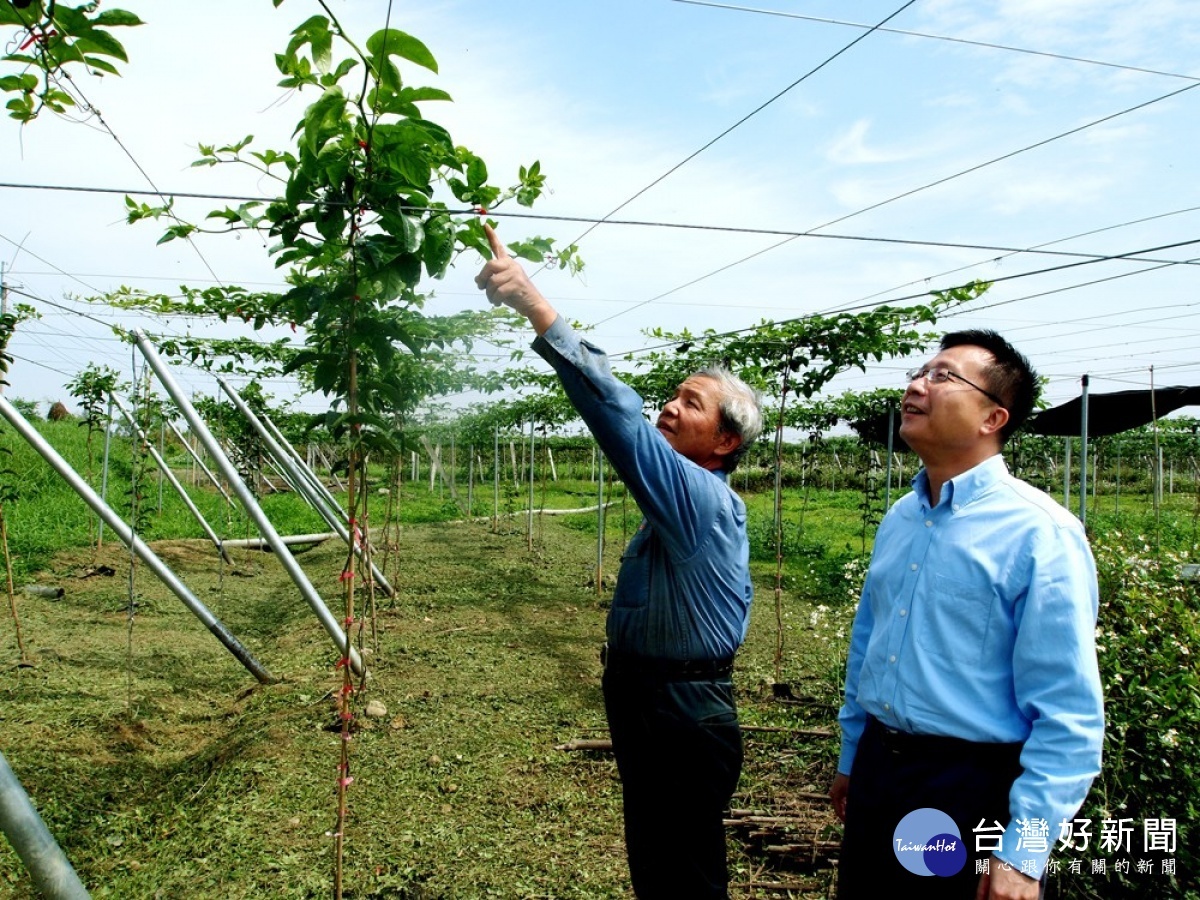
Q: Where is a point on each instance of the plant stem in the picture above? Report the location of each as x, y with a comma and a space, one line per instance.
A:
8, 572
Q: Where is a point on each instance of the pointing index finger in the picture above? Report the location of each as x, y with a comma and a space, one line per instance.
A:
499, 251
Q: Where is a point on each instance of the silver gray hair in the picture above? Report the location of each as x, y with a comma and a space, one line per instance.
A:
741, 410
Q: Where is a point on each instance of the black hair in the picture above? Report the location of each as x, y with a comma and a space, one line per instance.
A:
1009, 376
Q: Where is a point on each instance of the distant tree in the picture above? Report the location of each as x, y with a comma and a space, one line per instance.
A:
91, 388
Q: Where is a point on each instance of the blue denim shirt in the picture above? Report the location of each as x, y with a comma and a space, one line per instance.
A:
683, 592
977, 621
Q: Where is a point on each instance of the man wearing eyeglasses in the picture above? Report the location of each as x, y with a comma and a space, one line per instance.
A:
973, 708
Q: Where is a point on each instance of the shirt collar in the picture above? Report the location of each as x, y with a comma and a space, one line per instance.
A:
964, 487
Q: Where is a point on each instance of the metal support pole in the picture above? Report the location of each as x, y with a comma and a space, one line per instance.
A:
1067, 472
135, 543
216, 482
531, 485
305, 484
887, 491
162, 468
600, 532
52, 873
104, 470
299, 465
166, 470
1083, 453
470, 479
331, 625
1117, 497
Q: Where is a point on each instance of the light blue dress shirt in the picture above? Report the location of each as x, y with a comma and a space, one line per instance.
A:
683, 591
977, 621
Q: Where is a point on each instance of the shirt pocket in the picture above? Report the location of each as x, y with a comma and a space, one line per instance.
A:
954, 618
633, 579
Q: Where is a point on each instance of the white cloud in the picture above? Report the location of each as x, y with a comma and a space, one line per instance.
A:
1047, 194
851, 149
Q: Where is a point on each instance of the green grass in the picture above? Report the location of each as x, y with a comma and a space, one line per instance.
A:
164, 770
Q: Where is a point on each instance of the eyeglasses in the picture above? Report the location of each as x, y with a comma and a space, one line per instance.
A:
940, 375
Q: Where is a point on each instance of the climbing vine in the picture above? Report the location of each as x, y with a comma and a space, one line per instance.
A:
54, 39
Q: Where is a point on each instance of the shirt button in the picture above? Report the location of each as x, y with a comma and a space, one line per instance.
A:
892, 658
887, 706
954, 506
903, 613
913, 567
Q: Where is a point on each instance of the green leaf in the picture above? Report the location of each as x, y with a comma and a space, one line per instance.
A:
404, 272
117, 17
23, 82
101, 42
476, 172
405, 229
315, 33
343, 69
321, 120
103, 65
238, 146
270, 157
438, 249
10, 16
421, 94
534, 250
392, 42
472, 237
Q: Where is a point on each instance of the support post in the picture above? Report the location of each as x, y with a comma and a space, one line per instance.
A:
1083, 454
306, 484
135, 543
531, 478
600, 532
104, 470
887, 491
170, 476
331, 625
216, 482
1067, 472
52, 873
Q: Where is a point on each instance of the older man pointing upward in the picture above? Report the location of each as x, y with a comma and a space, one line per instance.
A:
682, 600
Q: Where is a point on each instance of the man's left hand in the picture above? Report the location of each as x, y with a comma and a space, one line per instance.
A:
1003, 882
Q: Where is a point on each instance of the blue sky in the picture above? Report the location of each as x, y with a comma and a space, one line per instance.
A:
913, 139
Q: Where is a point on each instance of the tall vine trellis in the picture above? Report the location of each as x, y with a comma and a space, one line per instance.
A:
361, 216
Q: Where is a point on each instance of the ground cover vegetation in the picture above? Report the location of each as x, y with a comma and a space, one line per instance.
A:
362, 215
164, 771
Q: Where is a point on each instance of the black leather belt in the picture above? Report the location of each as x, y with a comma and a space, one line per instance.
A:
616, 663
904, 743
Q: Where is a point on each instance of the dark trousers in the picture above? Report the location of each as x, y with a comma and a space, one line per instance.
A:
895, 774
679, 753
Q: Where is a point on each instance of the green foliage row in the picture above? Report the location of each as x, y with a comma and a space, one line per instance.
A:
46, 516
1148, 640
1149, 636
1148, 644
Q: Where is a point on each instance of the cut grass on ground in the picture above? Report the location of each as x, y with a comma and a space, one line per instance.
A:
165, 771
